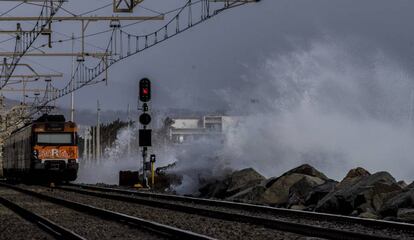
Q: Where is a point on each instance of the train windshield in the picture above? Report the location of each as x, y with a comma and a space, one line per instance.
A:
54, 138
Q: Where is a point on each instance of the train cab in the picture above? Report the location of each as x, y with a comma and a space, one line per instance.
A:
44, 149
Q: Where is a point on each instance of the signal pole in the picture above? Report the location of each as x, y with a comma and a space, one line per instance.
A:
93, 140
85, 145
98, 133
129, 132
144, 133
72, 97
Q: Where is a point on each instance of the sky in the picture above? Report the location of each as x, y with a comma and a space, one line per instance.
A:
188, 70
325, 82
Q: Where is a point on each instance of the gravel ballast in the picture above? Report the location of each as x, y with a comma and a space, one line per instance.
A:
203, 225
349, 226
13, 227
88, 226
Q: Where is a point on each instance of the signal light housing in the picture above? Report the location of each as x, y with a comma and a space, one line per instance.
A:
145, 138
145, 90
145, 119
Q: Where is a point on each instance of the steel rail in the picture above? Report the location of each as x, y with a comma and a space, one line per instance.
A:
162, 229
45, 224
259, 208
282, 225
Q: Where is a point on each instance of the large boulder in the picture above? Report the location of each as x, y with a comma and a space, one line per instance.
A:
406, 215
300, 190
400, 200
249, 195
232, 184
356, 172
361, 192
353, 176
319, 192
278, 192
402, 184
243, 179
216, 189
291, 188
307, 169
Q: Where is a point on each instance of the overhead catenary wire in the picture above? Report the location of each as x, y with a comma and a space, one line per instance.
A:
57, 32
25, 40
124, 26
5, 13
97, 70
39, 5
96, 9
60, 33
81, 73
84, 76
11, 9
109, 30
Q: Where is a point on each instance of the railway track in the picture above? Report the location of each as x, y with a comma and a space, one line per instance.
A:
45, 224
206, 226
299, 222
371, 223
133, 226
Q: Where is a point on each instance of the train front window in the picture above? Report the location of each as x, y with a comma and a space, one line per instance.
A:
55, 138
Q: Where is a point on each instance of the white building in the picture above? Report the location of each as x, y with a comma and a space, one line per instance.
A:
186, 129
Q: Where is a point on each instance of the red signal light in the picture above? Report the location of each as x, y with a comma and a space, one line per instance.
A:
145, 90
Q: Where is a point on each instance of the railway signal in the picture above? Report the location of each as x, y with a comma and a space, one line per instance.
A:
145, 119
152, 161
145, 134
145, 90
145, 137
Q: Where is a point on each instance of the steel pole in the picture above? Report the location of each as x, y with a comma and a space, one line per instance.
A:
98, 133
129, 132
72, 94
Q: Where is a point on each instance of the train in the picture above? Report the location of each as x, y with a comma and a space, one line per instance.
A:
43, 150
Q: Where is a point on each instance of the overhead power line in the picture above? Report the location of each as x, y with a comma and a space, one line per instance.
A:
25, 40
11, 9
123, 45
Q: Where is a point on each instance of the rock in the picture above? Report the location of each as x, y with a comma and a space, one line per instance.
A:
300, 190
216, 189
292, 187
354, 213
402, 199
364, 208
370, 215
231, 184
307, 169
392, 219
353, 176
350, 196
279, 192
298, 207
406, 215
250, 195
319, 192
357, 172
411, 185
243, 179
402, 184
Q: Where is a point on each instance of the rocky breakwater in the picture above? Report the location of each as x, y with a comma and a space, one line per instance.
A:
360, 193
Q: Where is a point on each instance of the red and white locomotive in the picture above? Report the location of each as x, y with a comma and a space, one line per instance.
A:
45, 149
